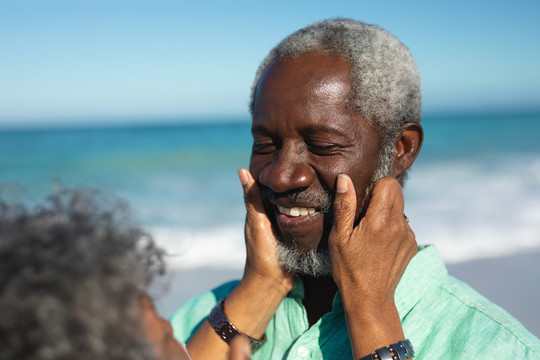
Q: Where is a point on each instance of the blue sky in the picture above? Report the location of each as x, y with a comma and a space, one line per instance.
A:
130, 60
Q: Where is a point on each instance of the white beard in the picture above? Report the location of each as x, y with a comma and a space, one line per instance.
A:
313, 263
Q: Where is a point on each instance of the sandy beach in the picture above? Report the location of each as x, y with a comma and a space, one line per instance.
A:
511, 282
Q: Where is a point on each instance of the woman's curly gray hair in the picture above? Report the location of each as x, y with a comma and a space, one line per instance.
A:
385, 80
70, 279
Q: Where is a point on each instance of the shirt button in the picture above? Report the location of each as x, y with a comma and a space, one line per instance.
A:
303, 351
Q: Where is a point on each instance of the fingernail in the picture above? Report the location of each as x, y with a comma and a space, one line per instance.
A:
243, 176
341, 185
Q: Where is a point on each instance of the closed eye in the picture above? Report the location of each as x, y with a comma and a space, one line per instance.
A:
263, 147
324, 149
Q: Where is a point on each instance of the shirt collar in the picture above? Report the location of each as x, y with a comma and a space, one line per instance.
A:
425, 271
297, 292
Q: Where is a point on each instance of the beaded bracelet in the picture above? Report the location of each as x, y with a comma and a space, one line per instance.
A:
401, 350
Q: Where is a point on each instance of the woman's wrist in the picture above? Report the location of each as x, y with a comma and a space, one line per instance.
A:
371, 327
279, 285
252, 304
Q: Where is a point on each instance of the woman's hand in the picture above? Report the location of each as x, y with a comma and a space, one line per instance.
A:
368, 261
262, 263
252, 304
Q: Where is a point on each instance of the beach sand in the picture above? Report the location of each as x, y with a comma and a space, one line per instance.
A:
510, 282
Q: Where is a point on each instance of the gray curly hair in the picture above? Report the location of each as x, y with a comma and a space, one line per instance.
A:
385, 80
71, 275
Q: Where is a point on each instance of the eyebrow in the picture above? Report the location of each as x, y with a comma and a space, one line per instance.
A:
323, 129
260, 129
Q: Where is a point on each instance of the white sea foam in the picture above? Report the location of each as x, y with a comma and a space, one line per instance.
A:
192, 248
471, 211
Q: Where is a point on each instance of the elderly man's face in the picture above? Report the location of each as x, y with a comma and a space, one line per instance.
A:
305, 134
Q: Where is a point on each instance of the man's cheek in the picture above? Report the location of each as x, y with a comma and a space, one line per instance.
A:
255, 168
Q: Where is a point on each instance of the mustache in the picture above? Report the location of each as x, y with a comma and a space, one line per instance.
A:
322, 200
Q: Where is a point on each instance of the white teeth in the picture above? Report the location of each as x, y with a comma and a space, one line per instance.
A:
296, 211
283, 210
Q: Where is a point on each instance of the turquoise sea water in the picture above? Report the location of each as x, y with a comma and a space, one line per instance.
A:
172, 174
474, 191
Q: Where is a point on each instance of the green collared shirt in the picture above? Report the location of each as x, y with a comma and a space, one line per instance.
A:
443, 317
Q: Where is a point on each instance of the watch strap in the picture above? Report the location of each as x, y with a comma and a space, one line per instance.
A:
226, 330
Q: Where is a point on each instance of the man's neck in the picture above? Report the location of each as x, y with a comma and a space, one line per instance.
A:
318, 296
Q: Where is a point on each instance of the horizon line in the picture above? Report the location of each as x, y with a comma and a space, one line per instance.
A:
85, 122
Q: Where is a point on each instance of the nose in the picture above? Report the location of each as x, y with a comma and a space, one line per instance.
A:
288, 170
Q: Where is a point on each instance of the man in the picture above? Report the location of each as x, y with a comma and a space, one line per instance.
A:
333, 270
73, 274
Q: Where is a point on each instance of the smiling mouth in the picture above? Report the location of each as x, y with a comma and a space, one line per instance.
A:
296, 211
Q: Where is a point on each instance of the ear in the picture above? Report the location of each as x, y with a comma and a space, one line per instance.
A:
407, 148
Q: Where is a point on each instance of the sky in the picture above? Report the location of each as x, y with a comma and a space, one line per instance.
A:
80, 61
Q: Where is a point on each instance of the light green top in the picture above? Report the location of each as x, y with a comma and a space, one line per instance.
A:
443, 317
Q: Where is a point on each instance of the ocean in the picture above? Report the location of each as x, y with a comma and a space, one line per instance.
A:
474, 190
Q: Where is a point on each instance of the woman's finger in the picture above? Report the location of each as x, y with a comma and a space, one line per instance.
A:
240, 348
252, 196
386, 200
